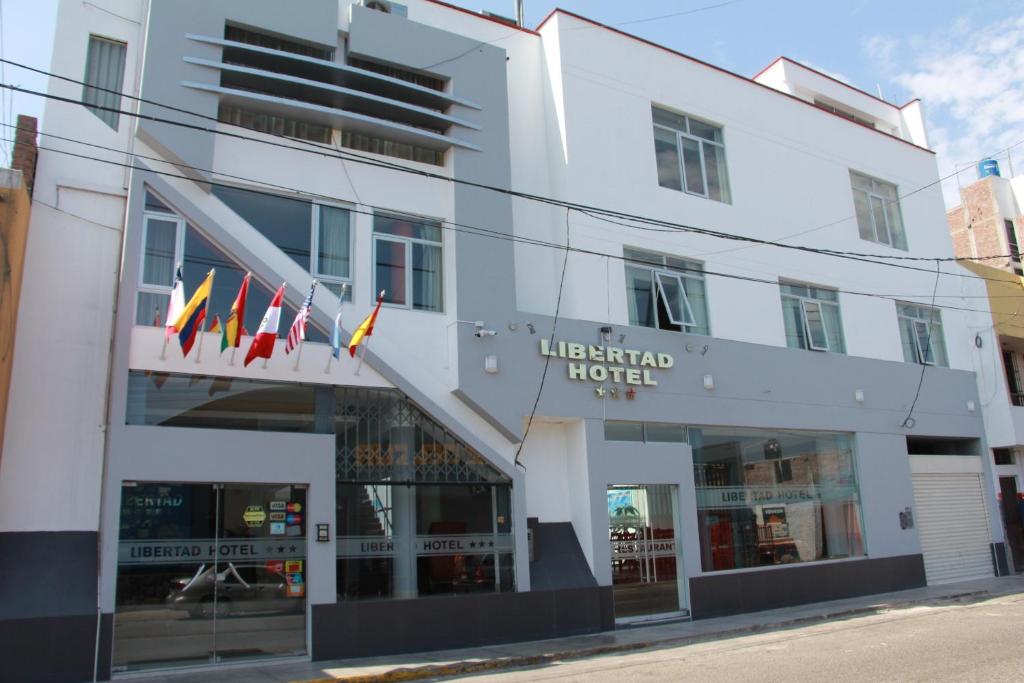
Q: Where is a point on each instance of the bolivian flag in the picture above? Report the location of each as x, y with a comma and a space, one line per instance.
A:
365, 328
192, 317
233, 328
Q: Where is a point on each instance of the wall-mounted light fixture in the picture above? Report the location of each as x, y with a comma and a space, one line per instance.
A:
323, 532
858, 395
709, 382
491, 364
606, 333
971, 407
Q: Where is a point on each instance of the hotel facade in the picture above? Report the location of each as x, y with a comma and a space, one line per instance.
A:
712, 426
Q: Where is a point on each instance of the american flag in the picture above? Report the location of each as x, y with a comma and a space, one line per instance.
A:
297, 333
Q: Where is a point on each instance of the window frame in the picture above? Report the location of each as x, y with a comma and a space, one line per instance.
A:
314, 247
933, 320
687, 309
179, 249
114, 116
408, 243
701, 141
875, 194
642, 259
805, 324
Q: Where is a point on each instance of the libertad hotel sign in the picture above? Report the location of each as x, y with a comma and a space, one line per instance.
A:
602, 363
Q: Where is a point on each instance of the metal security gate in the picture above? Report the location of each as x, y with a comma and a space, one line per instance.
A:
953, 525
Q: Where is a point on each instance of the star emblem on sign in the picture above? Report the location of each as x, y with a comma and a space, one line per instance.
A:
599, 391
631, 393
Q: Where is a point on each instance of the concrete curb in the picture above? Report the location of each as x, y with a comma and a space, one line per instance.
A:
464, 667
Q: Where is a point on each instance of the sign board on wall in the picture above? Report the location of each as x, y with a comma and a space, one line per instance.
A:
609, 363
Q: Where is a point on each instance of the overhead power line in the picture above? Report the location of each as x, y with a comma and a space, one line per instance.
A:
596, 212
454, 226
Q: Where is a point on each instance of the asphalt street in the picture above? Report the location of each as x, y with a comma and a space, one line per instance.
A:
973, 641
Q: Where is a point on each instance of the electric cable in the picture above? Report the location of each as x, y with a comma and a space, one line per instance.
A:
477, 230
908, 421
595, 212
551, 342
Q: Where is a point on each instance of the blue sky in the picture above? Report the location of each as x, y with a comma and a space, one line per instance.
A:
964, 58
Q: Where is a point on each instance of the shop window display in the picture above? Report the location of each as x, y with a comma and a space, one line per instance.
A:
772, 497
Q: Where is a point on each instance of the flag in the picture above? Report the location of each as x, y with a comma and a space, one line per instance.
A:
233, 326
177, 303
192, 317
263, 343
365, 328
297, 332
215, 325
336, 332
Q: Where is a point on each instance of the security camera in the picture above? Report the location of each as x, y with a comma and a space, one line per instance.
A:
481, 332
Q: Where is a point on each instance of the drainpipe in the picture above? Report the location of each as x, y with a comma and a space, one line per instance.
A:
520, 19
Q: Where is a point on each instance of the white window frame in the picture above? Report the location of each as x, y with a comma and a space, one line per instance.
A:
179, 248
680, 136
873, 195
314, 248
804, 321
689, 319
928, 326
928, 331
408, 242
804, 303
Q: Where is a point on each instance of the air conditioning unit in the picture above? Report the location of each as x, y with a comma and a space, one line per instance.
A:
386, 7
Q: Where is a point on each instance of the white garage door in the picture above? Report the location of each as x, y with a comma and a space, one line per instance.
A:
953, 525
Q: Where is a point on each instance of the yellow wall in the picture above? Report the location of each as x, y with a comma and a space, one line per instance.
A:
14, 212
1006, 297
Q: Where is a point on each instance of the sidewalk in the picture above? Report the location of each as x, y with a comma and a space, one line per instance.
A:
464, 661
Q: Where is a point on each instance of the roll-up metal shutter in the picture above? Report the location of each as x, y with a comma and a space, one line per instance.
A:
953, 526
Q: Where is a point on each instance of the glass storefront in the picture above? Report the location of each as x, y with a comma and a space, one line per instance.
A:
208, 573
642, 533
774, 497
418, 512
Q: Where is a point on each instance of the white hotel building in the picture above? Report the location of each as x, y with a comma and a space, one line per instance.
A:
723, 427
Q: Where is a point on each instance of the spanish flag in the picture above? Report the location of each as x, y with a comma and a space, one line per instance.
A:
192, 317
233, 326
365, 329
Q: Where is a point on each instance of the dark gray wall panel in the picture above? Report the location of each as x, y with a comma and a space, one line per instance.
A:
47, 574
362, 629
54, 649
717, 595
559, 562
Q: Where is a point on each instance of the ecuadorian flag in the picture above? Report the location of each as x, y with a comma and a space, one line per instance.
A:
190, 322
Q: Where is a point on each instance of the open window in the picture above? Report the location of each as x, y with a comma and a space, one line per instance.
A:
923, 342
814, 324
673, 296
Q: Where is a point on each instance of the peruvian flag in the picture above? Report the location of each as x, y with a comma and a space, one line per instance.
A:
266, 335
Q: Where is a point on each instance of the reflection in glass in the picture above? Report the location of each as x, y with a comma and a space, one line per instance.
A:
766, 498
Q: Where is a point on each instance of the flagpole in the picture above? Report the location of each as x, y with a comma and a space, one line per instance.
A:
206, 318
298, 356
336, 331
362, 354
232, 361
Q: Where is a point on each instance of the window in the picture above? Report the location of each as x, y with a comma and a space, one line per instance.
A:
163, 241
690, 155
250, 37
649, 432
1002, 456
104, 68
1011, 241
666, 292
811, 316
1013, 383
844, 113
374, 144
407, 261
878, 211
921, 334
774, 497
316, 236
274, 124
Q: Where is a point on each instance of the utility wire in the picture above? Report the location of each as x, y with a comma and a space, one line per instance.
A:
467, 228
595, 212
908, 421
551, 343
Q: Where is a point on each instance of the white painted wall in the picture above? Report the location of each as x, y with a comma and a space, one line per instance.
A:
547, 472
53, 446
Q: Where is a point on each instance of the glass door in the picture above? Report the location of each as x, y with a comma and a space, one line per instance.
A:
642, 534
208, 573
